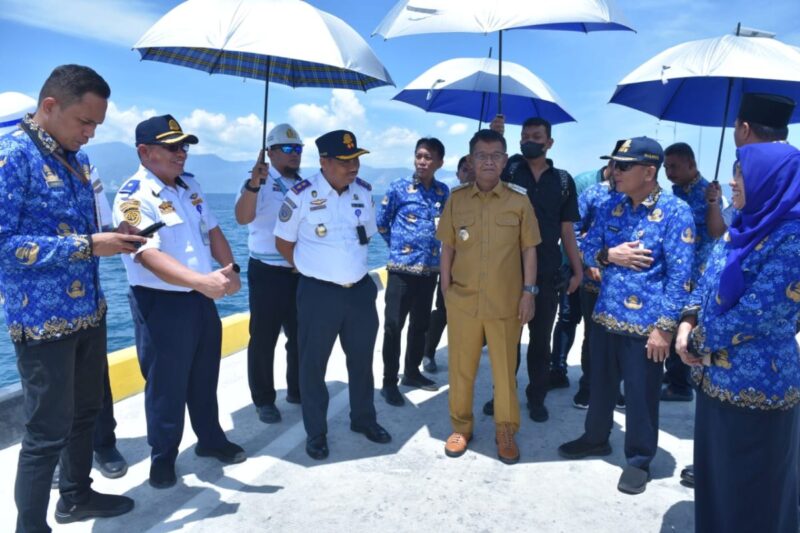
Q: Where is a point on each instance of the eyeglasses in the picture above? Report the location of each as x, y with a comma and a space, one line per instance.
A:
175, 148
624, 166
482, 157
289, 148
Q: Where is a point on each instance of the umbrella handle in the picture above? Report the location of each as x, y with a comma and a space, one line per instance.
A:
266, 106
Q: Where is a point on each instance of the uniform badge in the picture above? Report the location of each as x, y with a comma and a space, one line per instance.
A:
411, 189
129, 188
64, 230
793, 292
51, 178
76, 289
166, 207
617, 212
633, 302
28, 253
463, 234
130, 212
411, 217
321, 230
355, 197
687, 236
348, 141
656, 216
407, 249
385, 200
289, 201
319, 201
87, 172
313, 194
285, 212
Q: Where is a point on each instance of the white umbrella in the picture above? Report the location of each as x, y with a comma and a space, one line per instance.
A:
413, 17
699, 82
14, 106
467, 87
284, 41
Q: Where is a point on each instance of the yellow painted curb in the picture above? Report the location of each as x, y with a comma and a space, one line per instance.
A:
123, 365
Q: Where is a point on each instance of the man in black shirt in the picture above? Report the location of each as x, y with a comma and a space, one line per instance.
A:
552, 193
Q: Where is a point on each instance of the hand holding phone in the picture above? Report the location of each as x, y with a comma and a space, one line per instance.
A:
150, 230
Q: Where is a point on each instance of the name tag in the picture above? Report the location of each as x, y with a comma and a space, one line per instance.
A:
614, 229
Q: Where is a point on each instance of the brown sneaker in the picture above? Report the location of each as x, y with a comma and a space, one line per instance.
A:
456, 444
507, 450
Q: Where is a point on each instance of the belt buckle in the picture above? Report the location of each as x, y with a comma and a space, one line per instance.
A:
347, 285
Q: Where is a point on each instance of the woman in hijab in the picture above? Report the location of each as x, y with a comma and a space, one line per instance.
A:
738, 333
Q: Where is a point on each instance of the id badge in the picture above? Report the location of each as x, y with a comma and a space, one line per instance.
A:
204, 232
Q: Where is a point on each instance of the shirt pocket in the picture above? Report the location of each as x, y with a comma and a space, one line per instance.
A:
507, 227
466, 230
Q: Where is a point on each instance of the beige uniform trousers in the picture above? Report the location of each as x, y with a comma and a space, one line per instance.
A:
465, 335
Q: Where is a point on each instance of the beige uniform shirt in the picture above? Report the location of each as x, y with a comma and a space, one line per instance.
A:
488, 231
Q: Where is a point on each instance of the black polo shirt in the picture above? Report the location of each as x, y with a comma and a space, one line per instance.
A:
552, 206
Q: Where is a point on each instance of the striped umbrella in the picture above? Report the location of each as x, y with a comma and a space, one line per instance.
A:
282, 41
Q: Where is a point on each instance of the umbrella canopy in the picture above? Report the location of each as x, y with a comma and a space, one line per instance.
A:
414, 17
284, 41
467, 87
14, 106
688, 83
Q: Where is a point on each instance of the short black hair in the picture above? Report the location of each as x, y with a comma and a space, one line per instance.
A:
68, 84
487, 136
461, 163
680, 149
431, 143
538, 121
768, 133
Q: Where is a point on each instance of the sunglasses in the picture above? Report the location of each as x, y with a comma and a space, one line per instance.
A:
624, 166
175, 148
289, 148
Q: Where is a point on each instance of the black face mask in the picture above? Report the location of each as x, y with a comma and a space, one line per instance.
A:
532, 150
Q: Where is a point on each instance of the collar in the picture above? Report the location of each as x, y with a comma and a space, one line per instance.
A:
323, 187
156, 185
497, 190
689, 186
418, 184
275, 175
652, 198
46, 144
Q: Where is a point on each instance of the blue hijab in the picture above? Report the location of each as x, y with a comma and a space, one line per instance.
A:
771, 177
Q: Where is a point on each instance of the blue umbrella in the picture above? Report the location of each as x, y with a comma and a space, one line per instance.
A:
700, 82
467, 87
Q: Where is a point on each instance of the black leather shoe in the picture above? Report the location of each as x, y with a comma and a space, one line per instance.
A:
558, 380
580, 448
429, 365
317, 448
373, 432
633, 480
392, 395
229, 453
97, 505
268, 414
419, 382
687, 476
293, 398
581, 399
110, 462
162, 475
538, 413
621, 401
488, 408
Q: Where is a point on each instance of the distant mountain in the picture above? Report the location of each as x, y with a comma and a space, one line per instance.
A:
116, 162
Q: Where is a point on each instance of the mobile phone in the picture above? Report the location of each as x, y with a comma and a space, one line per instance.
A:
151, 229
361, 231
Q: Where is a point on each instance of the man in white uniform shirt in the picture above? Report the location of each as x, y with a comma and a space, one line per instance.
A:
173, 288
323, 229
271, 279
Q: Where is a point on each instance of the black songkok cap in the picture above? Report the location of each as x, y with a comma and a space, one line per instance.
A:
769, 110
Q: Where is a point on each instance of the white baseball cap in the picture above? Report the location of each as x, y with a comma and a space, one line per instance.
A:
14, 106
283, 134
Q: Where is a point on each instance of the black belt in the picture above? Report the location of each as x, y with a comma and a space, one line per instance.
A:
340, 285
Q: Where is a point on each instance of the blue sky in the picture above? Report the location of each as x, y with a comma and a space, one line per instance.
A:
225, 112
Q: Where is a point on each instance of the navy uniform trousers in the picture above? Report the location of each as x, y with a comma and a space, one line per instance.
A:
615, 357
273, 296
178, 340
63, 393
745, 468
326, 311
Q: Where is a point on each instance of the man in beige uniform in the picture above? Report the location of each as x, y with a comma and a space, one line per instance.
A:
489, 234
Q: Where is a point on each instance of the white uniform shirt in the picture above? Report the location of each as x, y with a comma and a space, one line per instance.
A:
323, 224
143, 200
260, 239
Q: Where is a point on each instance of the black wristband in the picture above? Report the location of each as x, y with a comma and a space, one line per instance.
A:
91, 244
250, 188
236, 268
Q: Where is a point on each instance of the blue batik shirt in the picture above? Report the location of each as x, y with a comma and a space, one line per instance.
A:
407, 221
751, 354
49, 280
694, 194
589, 203
631, 302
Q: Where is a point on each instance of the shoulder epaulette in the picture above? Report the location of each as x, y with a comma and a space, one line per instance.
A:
364, 184
187, 175
461, 186
300, 187
517, 188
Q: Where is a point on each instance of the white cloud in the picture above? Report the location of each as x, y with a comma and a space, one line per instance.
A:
441, 124
120, 22
120, 124
457, 129
344, 111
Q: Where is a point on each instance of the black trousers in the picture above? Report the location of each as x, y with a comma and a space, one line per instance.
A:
588, 301
406, 294
616, 357
178, 341
569, 316
745, 467
105, 425
324, 312
437, 324
538, 355
62, 383
273, 305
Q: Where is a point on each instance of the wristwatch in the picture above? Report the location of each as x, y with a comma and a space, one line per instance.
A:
236, 268
250, 188
533, 289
